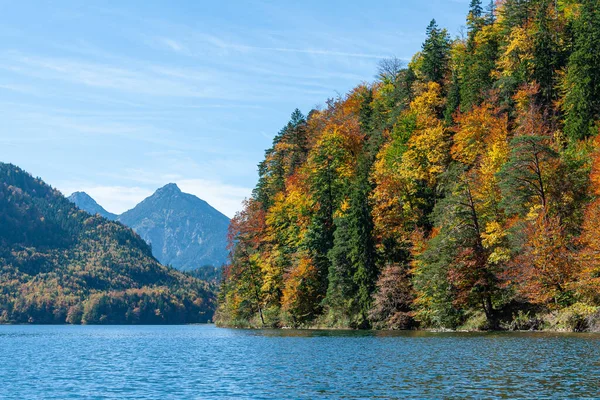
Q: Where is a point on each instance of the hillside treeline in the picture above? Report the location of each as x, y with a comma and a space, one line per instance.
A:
458, 190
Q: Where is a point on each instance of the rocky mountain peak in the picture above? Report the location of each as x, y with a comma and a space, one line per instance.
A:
169, 189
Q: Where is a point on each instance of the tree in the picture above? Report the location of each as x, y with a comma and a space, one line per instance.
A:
353, 269
582, 98
527, 174
242, 297
515, 13
393, 299
388, 69
453, 102
435, 54
538, 191
476, 256
480, 61
545, 52
301, 297
469, 237
477, 132
546, 266
475, 20
587, 283
288, 153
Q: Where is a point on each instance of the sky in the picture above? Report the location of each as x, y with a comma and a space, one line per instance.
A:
119, 98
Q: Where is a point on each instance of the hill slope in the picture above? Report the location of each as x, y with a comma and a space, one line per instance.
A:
59, 264
85, 202
183, 230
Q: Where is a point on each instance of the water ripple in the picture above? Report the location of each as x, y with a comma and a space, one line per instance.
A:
204, 362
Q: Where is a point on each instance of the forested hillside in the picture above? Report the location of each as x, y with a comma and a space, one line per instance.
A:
458, 190
59, 264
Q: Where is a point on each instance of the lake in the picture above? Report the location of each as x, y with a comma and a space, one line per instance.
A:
205, 362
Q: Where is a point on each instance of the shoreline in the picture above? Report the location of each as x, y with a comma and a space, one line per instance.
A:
429, 330
254, 328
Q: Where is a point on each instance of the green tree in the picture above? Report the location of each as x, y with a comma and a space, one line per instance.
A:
582, 99
435, 53
479, 62
545, 53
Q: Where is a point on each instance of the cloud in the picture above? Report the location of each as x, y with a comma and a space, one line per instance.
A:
142, 80
150, 83
173, 45
225, 198
115, 199
26, 89
322, 52
177, 45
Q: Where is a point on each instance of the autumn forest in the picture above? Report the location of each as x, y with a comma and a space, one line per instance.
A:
459, 190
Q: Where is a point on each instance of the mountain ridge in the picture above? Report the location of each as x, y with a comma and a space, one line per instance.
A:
183, 230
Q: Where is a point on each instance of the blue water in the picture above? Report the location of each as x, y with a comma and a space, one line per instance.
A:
204, 362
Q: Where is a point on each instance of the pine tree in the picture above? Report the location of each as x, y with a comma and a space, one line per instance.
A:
480, 59
435, 53
289, 151
353, 270
491, 12
545, 56
582, 100
515, 13
453, 98
298, 141
475, 21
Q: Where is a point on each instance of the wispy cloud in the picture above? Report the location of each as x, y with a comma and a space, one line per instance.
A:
115, 199
173, 45
118, 199
128, 98
143, 79
199, 41
103, 76
224, 197
330, 53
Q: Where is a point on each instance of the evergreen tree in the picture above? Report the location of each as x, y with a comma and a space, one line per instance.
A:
289, 151
515, 13
544, 54
582, 100
480, 61
491, 12
435, 53
298, 141
353, 272
475, 21
453, 99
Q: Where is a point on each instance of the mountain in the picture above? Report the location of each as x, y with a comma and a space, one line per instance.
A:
59, 264
86, 203
183, 230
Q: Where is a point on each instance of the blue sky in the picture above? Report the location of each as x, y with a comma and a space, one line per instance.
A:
118, 98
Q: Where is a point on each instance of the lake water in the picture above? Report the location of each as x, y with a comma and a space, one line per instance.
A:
204, 362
